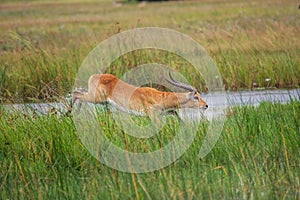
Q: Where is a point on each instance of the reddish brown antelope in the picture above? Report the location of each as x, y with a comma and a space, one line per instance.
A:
142, 100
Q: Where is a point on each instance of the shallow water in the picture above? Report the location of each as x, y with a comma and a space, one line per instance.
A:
244, 98
214, 100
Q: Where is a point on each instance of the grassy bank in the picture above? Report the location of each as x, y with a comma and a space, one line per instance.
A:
257, 156
42, 44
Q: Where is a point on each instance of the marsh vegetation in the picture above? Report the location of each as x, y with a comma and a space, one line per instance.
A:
254, 44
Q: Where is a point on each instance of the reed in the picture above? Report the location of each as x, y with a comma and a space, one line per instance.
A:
255, 157
254, 44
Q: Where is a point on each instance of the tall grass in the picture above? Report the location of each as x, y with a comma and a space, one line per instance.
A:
43, 45
254, 44
257, 156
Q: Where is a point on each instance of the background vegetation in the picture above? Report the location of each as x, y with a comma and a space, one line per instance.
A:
42, 44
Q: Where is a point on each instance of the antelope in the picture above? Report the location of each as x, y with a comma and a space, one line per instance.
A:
106, 88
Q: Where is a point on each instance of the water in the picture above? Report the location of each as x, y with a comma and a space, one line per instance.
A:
214, 100
243, 98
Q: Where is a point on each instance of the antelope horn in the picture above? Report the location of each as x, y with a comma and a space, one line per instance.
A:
179, 84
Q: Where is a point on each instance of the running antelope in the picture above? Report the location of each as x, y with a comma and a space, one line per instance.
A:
106, 88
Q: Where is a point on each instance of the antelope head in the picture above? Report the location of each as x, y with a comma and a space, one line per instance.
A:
193, 98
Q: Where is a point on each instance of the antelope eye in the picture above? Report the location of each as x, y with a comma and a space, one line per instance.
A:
196, 98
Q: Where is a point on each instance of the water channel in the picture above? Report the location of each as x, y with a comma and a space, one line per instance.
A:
239, 98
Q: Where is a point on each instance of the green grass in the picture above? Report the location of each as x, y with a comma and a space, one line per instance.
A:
257, 156
42, 44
